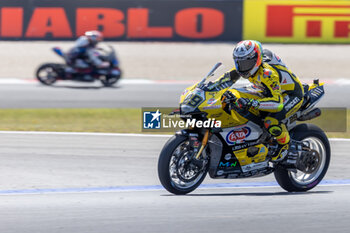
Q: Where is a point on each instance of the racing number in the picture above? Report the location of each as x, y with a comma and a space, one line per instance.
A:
194, 101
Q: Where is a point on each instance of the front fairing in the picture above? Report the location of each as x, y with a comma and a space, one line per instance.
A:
196, 100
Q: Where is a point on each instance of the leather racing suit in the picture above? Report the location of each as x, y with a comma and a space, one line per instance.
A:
282, 90
84, 54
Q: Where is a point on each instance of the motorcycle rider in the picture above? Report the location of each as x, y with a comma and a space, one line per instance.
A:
83, 55
281, 89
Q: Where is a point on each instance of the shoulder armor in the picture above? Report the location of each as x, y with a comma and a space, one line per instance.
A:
267, 73
272, 58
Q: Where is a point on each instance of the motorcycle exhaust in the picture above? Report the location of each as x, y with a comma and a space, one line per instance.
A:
310, 115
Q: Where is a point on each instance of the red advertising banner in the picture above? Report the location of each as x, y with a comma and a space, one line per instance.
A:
309, 21
185, 20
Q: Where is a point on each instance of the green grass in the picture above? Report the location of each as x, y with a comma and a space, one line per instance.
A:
71, 120
119, 120
334, 121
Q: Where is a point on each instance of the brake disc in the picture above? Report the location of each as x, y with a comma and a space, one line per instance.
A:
309, 161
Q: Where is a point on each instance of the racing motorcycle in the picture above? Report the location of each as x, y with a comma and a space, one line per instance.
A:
49, 73
241, 147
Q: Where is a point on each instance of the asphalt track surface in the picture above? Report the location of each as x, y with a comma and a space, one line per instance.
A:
81, 95
108, 183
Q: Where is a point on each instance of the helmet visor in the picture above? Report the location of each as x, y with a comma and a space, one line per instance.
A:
245, 65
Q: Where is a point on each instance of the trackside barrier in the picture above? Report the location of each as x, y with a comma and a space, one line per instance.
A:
287, 21
162, 20
297, 21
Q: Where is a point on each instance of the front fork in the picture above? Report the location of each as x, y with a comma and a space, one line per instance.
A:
204, 143
197, 145
198, 148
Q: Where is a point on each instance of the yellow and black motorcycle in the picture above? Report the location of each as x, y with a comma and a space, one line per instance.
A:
240, 147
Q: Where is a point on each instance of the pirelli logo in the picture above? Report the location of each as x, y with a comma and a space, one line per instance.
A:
300, 21
317, 21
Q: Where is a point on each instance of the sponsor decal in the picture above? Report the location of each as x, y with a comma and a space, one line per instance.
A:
293, 118
212, 107
129, 20
313, 184
285, 98
297, 21
228, 164
267, 73
212, 94
238, 135
220, 172
54, 20
243, 146
275, 86
316, 92
291, 104
211, 101
228, 156
277, 58
254, 166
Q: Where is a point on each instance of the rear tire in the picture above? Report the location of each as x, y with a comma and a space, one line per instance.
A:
171, 181
291, 181
47, 74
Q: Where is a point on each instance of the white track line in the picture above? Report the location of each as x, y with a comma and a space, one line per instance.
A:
85, 133
114, 134
338, 81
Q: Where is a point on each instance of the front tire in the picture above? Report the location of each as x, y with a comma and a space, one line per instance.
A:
175, 171
110, 79
299, 181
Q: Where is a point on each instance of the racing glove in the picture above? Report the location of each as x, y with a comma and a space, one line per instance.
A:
227, 101
246, 103
228, 98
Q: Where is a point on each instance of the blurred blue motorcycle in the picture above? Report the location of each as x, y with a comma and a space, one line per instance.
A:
49, 73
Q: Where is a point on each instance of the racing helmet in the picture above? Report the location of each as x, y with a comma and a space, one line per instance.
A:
94, 37
247, 56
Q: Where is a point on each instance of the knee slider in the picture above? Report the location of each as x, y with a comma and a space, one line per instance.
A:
270, 121
275, 130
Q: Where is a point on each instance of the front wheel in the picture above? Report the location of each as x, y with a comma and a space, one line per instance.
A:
47, 74
302, 181
112, 78
176, 172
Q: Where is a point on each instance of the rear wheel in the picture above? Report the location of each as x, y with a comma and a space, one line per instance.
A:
47, 74
176, 172
317, 165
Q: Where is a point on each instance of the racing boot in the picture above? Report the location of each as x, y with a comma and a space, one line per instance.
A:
280, 152
288, 154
